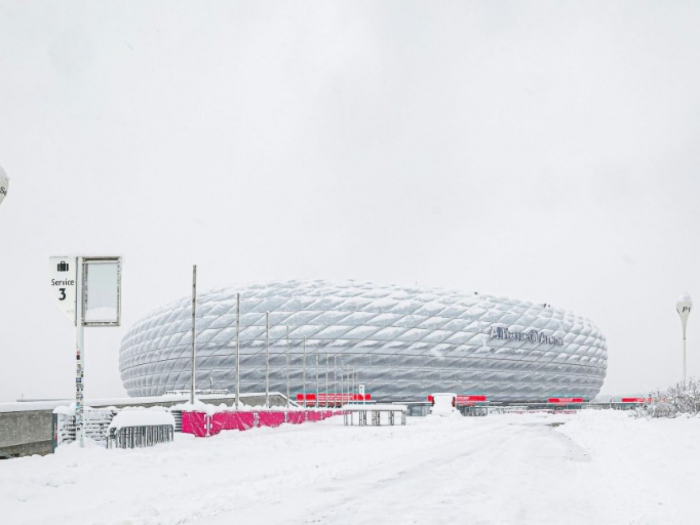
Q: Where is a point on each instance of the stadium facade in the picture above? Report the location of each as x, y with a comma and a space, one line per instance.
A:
403, 343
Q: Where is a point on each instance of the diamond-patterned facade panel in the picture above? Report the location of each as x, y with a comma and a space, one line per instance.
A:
403, 343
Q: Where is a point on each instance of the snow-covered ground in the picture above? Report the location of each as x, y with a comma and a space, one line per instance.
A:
595, 468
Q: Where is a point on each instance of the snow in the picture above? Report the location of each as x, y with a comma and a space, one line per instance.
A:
594, 467
101, 314
396, 408
21, 406
139, 416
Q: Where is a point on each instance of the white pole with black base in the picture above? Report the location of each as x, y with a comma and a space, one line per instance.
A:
80, 357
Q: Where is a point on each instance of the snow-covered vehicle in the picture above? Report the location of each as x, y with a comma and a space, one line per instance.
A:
443, 404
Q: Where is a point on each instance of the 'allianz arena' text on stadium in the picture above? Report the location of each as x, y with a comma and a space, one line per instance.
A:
403, 343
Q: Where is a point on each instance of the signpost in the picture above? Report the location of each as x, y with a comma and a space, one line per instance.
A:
87, 290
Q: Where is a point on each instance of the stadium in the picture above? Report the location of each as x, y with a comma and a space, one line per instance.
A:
403, 342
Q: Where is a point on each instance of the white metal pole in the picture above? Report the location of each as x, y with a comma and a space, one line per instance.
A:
80, 356
335, 379
267, 359
304, 375
287, 366
238, 348
194, 334
342, 384
685, 375
352, 381
317, 377
327, 367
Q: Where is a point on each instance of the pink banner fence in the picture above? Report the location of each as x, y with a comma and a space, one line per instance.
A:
203, 425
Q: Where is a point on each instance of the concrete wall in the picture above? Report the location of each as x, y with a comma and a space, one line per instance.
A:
27, 432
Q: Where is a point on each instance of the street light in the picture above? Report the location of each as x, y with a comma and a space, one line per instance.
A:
683, 307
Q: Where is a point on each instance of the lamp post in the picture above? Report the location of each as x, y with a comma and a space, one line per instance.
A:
683, 307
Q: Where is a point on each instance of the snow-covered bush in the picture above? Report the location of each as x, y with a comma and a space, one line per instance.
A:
681, 398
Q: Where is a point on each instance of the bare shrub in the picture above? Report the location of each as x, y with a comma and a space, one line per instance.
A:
681, 398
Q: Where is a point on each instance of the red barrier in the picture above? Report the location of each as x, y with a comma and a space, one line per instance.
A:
296, 418
233, 421
270, 419
201, 424
194, 423
314, 416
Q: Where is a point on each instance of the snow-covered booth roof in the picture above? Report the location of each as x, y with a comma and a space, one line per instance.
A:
403, 343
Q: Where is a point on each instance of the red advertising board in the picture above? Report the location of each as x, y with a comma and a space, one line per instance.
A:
469, 400
565, 400
636, 400
331, 398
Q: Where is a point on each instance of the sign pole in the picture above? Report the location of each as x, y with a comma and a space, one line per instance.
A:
194, 334
287, 366
80, 356
316, 377
74, 282
304, 374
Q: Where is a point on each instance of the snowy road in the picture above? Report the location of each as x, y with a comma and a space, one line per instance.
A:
596, 468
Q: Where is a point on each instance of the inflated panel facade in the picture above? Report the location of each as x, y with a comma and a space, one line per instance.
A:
402, 342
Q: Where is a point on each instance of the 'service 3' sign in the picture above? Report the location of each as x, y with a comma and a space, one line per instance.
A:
531, 336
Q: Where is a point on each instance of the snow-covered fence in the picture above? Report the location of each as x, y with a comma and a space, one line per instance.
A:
141, 427
137, 437
124, 428
97, 421
137, 427
378, 415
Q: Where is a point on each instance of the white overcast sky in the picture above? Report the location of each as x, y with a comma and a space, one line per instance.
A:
546, 151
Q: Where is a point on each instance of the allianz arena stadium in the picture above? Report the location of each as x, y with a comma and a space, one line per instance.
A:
403, 342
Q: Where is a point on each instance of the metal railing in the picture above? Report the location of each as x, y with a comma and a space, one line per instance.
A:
142, 436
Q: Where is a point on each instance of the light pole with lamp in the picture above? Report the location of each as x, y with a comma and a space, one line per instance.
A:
683, 307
